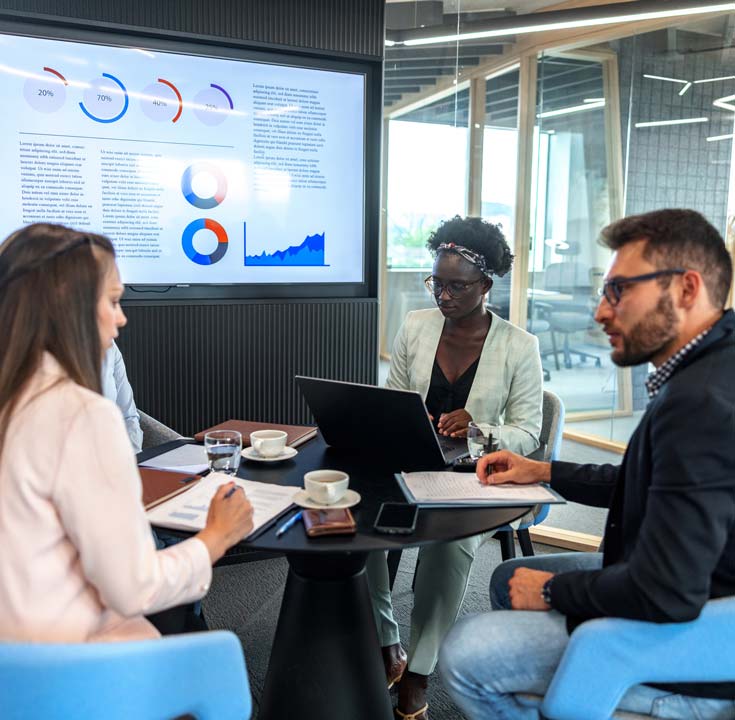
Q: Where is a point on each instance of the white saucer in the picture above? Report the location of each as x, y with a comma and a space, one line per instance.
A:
349, 499
288, 452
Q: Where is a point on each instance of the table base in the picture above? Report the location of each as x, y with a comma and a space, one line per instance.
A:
326, 661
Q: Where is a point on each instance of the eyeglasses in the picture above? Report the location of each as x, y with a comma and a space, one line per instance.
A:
455, 288
612, 290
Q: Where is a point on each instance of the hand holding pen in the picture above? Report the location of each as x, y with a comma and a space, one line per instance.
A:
229, 520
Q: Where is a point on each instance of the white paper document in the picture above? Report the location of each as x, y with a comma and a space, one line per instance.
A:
185, 458
456, 488
188, 511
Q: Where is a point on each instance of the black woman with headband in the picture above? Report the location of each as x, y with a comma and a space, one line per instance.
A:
78, 561
468, 364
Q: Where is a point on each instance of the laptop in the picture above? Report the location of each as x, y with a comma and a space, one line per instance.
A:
393, 423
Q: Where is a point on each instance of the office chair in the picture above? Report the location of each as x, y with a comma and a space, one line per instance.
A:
550, 437
201, 674
607, 656
569, 278
154, 432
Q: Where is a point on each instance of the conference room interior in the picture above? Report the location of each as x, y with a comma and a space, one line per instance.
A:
552, 134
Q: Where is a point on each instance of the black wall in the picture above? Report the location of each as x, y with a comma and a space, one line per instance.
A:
194, 364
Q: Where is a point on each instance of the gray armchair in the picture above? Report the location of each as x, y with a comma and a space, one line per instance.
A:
154, 432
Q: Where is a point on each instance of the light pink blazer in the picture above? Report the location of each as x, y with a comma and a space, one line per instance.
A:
77, 558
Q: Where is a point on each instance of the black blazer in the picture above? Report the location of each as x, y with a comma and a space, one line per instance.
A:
669, 543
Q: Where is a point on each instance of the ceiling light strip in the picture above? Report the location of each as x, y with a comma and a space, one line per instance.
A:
725, 103
715, 138
667, 79
570, 110
717, 79
660, 123
571, 24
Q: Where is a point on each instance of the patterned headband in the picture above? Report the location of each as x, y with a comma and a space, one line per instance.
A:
469, 255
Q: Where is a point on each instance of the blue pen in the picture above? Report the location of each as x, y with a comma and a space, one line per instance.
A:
288, 524
231, 491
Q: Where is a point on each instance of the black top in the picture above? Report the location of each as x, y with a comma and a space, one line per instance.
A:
669, 543
443, 396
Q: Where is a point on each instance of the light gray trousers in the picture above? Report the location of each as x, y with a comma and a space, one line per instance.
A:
441, 582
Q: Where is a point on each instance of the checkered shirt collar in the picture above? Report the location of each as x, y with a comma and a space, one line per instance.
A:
657, 379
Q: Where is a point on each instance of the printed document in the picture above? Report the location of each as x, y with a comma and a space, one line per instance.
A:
185, 458
188, 511
457, 488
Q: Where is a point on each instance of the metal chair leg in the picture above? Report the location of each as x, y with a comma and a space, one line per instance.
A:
507, 544
394, 560
524, 540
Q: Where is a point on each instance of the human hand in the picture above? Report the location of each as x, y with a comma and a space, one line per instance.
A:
229, 520
525, 589
505, 466
454, 424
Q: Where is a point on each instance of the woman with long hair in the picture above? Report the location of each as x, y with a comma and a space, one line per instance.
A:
78, 559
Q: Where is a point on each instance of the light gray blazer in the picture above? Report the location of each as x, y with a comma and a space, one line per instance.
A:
507, 388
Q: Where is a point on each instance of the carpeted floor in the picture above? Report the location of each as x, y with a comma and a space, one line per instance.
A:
246, 598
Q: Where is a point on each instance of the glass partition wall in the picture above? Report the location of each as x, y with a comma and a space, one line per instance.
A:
572, 198
426, 180
554, 145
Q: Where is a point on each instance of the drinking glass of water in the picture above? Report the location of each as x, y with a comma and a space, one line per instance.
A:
223, 449
482, 439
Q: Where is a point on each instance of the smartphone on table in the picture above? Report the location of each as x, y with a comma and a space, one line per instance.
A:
396, 518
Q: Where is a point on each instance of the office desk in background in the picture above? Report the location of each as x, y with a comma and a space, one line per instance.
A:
325, 661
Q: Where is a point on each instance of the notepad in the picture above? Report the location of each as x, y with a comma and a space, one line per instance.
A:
453, 489
188, 511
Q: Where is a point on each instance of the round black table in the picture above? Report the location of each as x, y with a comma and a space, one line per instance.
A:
325, 661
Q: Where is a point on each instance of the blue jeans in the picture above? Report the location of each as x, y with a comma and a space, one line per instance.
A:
486, 660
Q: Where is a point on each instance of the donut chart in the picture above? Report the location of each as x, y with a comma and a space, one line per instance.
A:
46, 93
105, 99
187, 241
161, 101
203, 203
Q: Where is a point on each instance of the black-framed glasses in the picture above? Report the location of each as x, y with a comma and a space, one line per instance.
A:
455, 288
612, 290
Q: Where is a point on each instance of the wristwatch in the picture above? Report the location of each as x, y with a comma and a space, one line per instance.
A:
546, 592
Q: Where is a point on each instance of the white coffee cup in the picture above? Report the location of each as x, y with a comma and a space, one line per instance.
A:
326, 486
268, 443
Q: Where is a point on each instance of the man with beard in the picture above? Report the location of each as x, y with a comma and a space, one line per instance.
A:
669, 542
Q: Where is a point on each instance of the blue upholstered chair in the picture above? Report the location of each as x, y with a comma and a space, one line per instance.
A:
552, 427
606, 657
201, 674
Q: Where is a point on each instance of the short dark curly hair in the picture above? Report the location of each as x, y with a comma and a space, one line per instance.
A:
477, 235
678, 238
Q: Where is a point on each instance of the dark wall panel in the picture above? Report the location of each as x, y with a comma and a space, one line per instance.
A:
334, 26
195, 366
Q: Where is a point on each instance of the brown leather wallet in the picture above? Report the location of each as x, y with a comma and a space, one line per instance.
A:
329, 522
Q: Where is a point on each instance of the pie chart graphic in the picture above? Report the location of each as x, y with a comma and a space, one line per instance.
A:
189, 178
187, 241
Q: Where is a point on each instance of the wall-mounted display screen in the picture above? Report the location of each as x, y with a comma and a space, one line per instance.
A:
201, 170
